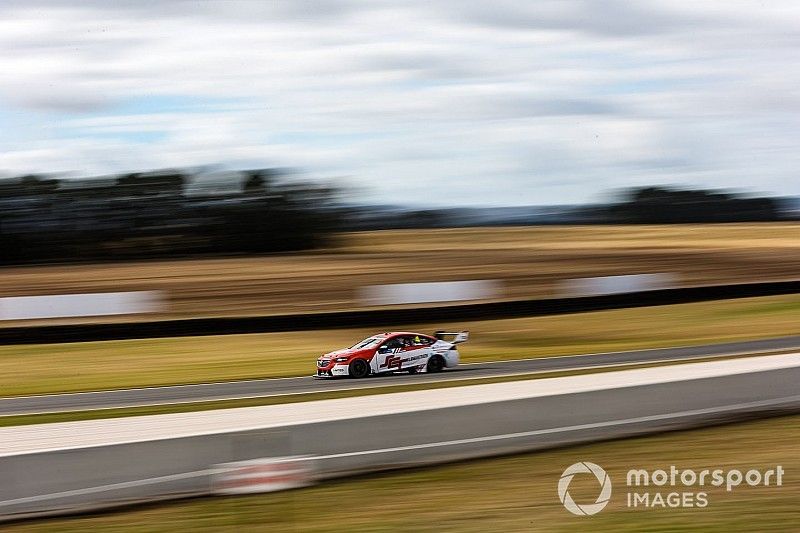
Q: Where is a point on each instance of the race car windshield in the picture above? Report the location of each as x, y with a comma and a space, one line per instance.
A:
365, 343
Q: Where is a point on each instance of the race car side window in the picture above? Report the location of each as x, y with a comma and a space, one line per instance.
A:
366, 342
406, 341
422, 340
394, 342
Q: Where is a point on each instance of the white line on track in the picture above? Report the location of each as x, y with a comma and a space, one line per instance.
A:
105, 488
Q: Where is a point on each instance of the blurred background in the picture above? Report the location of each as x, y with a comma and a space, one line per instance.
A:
130, 133
178, 159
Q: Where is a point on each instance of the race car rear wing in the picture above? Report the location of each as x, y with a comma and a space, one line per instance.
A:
460, 336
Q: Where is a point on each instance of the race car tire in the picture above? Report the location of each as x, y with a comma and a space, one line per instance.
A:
435, 364
359, 369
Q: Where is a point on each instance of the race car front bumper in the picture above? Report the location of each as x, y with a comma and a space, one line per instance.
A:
333, 371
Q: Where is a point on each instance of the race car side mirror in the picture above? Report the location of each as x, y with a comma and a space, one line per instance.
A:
383, 349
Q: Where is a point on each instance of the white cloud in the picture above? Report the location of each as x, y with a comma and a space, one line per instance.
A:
506, 102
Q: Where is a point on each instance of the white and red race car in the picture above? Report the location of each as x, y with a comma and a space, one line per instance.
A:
393, 352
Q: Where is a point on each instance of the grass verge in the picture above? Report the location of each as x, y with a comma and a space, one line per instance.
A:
515, 493
50, 368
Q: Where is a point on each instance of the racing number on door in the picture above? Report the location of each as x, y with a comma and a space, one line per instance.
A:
395, 350
393, 361
403, 350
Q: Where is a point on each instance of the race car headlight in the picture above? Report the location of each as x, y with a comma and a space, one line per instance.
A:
340, 359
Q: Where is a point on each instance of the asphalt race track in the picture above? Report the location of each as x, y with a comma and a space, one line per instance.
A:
118, 461
303, 385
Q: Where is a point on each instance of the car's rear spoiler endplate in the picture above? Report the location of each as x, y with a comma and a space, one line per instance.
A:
458, 336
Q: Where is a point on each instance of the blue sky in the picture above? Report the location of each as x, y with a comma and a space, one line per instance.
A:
446, 102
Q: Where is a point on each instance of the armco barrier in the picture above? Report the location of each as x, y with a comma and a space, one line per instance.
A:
378, 318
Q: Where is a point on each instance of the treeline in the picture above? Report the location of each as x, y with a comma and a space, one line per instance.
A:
155, 215
171, 214
664, 205
647, 205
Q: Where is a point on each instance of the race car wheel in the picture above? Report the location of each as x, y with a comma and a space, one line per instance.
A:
435, 364
359, 369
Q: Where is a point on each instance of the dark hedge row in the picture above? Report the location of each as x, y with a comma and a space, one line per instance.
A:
140, 216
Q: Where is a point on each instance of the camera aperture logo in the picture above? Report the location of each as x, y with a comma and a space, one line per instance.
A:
590, 508
657, 488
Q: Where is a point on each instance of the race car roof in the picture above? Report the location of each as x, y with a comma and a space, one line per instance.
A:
389, 334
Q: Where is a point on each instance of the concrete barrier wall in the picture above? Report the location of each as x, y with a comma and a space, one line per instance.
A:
263, 475
444, 291
388, 318
69, 480
78, 305
598, 286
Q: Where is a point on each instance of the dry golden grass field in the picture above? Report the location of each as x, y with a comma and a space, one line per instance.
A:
529, 260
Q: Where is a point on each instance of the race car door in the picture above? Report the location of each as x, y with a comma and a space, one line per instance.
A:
399, 353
